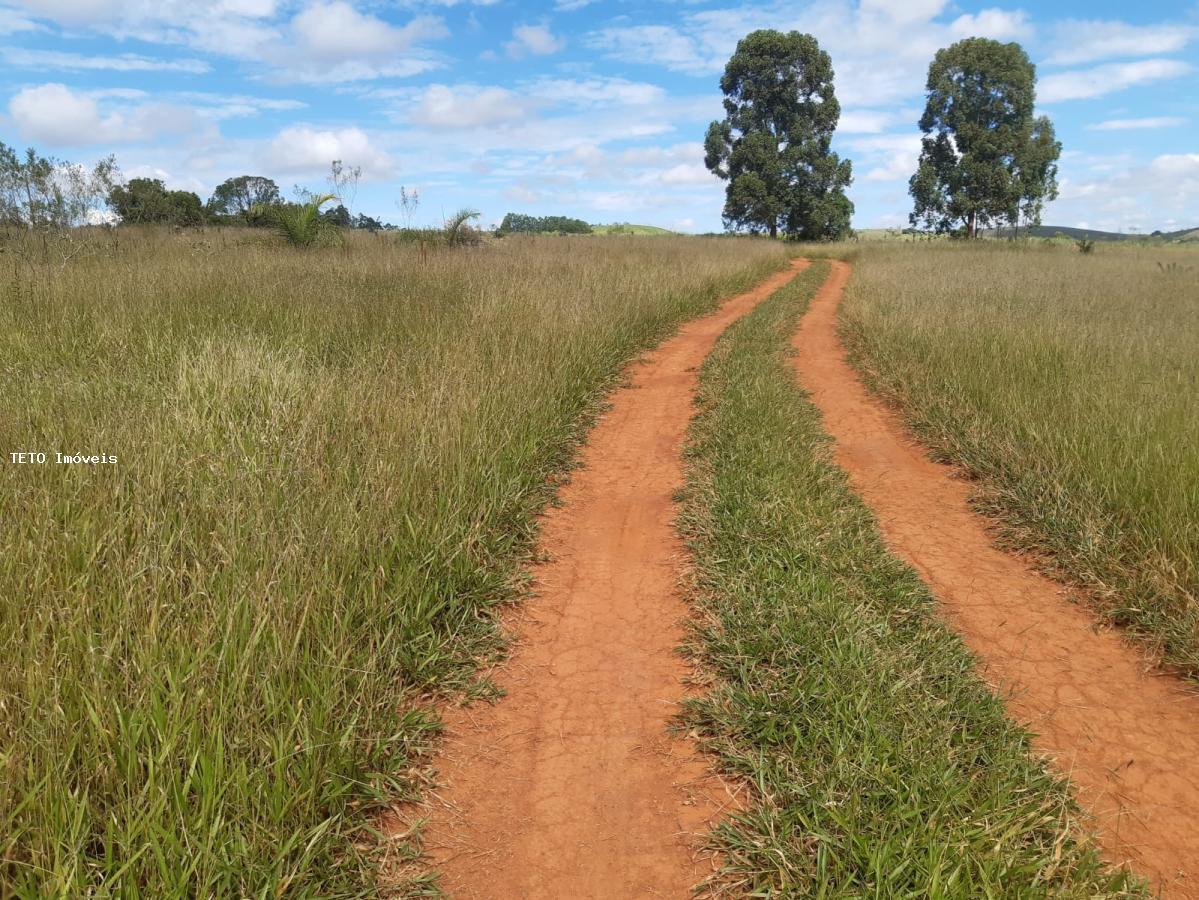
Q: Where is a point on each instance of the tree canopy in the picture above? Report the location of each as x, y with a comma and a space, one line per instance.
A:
984, 158
245, 196
147, 201
773, 145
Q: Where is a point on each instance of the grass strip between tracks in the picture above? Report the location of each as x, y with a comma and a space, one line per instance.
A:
881, 764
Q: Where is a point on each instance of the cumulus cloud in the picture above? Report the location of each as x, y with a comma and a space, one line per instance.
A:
55, 115
1081, 84
336, 33
533, 40
304, 150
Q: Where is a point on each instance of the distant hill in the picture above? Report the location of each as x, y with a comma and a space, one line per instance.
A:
1090, 234
626, 228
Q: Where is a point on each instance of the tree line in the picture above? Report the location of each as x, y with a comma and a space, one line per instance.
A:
985, 158
518, 223
251, 200
38, 192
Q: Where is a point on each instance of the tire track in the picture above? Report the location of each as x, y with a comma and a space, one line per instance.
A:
571, 786
1126, 736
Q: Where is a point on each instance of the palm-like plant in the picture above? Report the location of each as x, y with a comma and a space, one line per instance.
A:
457, 227
302, 225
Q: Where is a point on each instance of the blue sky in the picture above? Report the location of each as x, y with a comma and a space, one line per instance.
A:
592, 109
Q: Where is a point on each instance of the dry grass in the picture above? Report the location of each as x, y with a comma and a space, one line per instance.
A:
329, 468
1067, 384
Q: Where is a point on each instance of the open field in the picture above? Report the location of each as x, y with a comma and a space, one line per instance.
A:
328, 470
223, 654
1066, 384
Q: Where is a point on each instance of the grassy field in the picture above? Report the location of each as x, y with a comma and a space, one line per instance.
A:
212, 652
1067, 385
882, 766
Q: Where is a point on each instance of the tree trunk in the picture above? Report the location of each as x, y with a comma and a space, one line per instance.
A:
774, 230
970, 232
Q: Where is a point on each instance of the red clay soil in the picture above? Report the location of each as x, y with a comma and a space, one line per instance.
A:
571, 786
1127, 737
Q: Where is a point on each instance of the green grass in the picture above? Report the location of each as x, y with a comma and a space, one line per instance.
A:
216, 655
880, 764
1067, 385
624, 228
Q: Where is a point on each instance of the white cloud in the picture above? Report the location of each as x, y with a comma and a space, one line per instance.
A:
1088, 41
885, 157
904, 13
1096, 81
997, 24
336, 32
446, 108
54, 114
1144, 196
535, 40
125, 62
12, 22
304, 150
596, 91
1178, 165
663, 44
868, 121
687, 173
905, 35
571, 5
1131, 124
326, 41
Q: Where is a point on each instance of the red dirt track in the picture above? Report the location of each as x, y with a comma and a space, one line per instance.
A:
571, 786
1126, 737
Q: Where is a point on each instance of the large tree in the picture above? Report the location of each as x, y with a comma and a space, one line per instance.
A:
773, 145
984, 158
245, 196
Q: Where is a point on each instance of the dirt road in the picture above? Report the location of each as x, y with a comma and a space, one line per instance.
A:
571, 785
1126, 737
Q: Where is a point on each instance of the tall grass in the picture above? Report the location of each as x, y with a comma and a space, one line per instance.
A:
881, 765
212, 652
1068, 385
